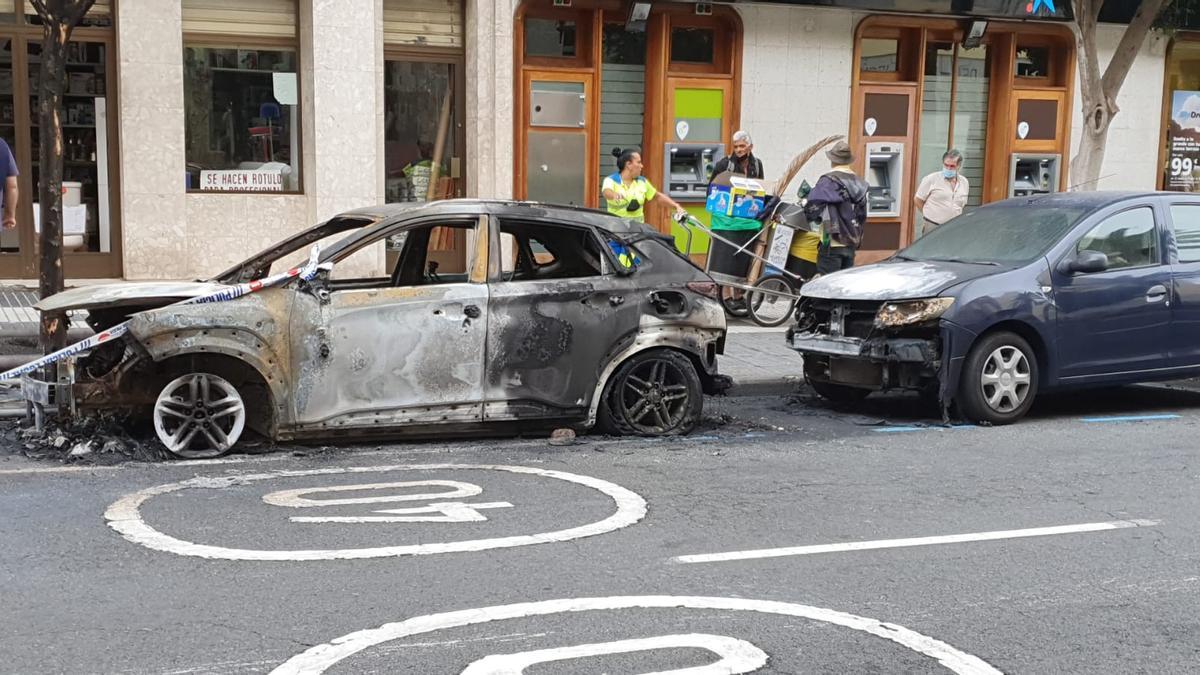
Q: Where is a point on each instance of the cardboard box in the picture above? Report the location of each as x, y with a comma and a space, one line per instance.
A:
748, 197
719, 200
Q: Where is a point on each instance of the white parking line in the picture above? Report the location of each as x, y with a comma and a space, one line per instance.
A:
915, 541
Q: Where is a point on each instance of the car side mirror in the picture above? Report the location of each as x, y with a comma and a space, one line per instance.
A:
1085, 262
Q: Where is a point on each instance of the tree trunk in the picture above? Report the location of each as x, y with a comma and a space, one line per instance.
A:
49, 190
1098, 93
59, 18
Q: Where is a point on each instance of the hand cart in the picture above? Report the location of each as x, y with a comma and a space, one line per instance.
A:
769, 297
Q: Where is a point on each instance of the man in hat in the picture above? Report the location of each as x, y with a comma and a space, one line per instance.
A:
839, 202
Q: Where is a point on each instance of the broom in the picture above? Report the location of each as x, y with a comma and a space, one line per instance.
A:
800, 160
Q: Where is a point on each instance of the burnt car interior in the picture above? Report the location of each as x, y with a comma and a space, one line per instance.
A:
540, 251
259, 265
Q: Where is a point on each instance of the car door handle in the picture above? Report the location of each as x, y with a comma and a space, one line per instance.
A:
616, 300
471, 311
1156, 293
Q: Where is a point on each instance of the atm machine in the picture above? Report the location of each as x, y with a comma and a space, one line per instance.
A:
885, 176
1030, 174
687, 168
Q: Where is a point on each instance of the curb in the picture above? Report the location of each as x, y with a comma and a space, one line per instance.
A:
778, 387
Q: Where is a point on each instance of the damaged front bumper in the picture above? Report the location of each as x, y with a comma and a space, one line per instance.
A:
883, 362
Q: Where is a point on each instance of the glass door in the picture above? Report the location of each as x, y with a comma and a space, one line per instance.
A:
87, 218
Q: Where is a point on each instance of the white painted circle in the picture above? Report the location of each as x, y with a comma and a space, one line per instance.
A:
322, 657
870, 126
124, 516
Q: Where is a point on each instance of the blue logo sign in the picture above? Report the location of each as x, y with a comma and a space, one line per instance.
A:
1035, 5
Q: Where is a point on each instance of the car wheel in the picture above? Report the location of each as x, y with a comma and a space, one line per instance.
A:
654, 393
767, 307
999, 379
199, 416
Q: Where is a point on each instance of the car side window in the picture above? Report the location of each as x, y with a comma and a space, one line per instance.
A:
533, 251
434, 254
1127, 238
1186, 218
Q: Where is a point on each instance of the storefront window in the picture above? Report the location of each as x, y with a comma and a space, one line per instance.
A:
692, 45
420, 130
547, 37
879, 55
242, 121
1033, 61
1181, 169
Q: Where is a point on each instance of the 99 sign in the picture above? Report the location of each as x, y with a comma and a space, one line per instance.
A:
1181, 165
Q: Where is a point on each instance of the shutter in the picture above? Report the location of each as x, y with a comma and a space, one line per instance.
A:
239, 18
426, 23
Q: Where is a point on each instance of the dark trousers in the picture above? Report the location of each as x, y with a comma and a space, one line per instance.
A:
834, 258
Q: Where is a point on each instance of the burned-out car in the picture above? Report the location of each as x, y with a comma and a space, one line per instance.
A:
1016, 297
493, 313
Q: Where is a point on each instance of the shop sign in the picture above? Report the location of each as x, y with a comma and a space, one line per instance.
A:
249, 180
1183, 143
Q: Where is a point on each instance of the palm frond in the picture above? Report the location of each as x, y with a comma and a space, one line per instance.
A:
794, 167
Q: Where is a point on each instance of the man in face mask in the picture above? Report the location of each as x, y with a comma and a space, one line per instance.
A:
943, 194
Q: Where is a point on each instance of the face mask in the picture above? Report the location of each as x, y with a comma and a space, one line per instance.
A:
949, 173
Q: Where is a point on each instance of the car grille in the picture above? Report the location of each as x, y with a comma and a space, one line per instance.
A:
838, 318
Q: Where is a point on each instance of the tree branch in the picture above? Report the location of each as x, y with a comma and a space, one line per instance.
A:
1131, 43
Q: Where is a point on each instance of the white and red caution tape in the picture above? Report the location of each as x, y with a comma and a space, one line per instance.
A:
306, 272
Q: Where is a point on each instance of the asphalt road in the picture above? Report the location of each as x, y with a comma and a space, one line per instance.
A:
576, 558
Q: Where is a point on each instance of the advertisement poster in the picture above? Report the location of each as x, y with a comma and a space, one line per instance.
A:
1183, 143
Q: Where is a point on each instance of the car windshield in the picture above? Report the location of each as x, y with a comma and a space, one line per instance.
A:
1000, 234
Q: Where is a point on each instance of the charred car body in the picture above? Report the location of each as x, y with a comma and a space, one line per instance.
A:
553, 316
1021, 296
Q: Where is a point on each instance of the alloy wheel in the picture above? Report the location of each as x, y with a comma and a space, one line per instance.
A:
199, 415
654, 397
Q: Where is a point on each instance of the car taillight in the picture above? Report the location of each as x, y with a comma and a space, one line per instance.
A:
706, 288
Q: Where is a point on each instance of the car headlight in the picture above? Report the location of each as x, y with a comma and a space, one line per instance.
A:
909, 312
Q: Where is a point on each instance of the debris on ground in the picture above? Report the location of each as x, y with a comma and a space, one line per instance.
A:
98, 439
562, 437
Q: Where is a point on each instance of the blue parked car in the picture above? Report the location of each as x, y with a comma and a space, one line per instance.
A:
1012, 299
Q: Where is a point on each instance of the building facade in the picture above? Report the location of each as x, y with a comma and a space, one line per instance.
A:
199, 131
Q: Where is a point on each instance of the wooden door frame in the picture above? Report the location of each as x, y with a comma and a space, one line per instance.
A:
858, 143
590, 130
443, 55
87, 265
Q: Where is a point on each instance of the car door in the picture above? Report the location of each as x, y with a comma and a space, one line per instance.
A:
405, 349
1116, 321
1185, 268
557, 309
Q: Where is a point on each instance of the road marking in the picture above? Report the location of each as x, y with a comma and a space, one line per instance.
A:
296, 498
124, 516
737, 656
324, 656
932, 427
915, 541
1129, 418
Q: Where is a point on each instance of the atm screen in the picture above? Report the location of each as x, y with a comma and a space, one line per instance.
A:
879, 175
685, 168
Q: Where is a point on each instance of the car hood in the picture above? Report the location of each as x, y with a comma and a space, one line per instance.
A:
894, 280
133, 294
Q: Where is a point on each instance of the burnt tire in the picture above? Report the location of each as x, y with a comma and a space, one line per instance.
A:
838, 393
653, 393
999, 379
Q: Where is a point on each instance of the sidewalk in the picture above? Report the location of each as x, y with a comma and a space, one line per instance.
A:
759, 361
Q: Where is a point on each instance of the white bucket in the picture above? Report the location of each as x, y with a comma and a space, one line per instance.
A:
72, 193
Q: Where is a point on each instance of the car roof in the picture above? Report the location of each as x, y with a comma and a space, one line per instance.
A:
385, 216
512, 208
1093, 199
